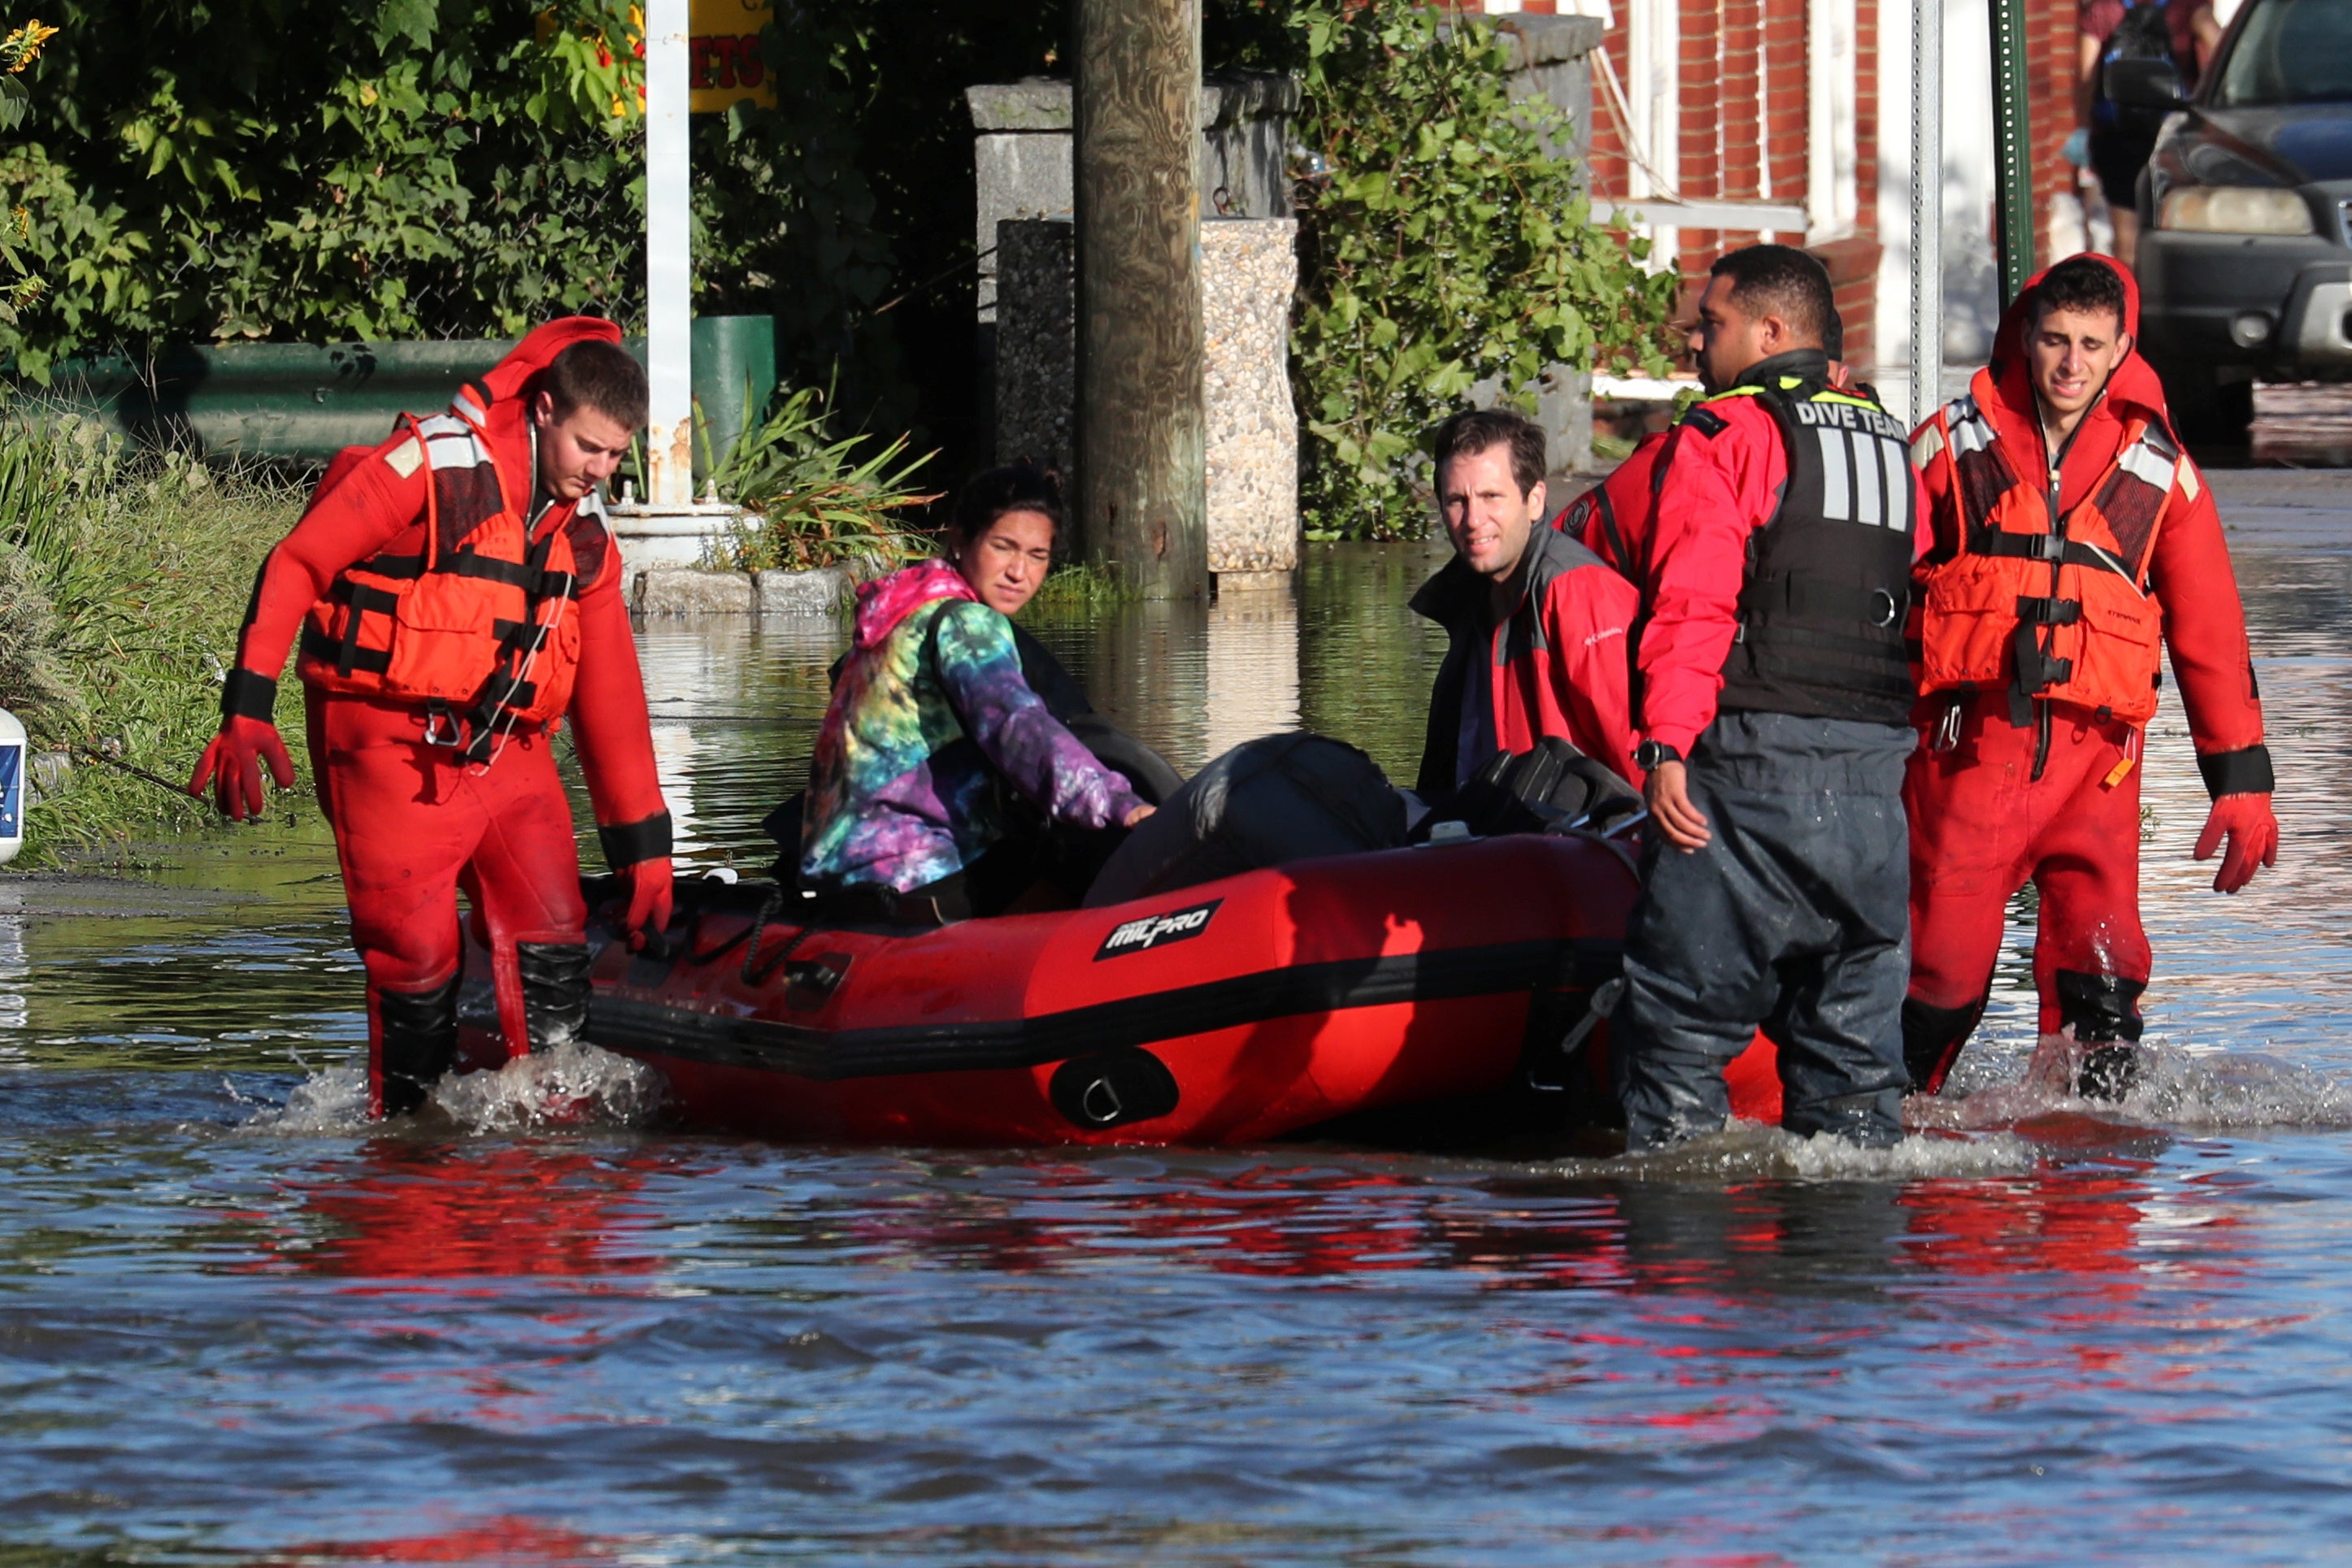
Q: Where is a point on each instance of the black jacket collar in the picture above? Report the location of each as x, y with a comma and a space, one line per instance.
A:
1802, 364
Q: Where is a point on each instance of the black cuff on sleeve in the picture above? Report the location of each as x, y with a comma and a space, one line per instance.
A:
2246, 772
245, 695
631, 843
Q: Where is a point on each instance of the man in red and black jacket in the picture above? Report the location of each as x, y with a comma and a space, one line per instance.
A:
2073, 538
458, 594
1535, 626
1775, 704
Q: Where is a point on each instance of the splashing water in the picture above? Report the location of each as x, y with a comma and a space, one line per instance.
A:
1750, 1151
567, 1085
2174, 1087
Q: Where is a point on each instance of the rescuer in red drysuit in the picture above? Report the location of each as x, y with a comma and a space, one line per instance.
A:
2039, 676
456, 589
1535, 626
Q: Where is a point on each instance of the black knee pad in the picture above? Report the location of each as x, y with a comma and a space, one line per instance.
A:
417, 1035
554, 991
2101, 1009
2104, 1011
1932, 1039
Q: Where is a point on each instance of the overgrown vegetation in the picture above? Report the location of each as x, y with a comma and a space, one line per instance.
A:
462, 168
1442, 244
335, 168
812, 498
123, 584
240, 169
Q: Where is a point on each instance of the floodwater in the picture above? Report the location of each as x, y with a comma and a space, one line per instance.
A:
237, 1326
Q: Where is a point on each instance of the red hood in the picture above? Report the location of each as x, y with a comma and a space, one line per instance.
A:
509, 382
2135, 381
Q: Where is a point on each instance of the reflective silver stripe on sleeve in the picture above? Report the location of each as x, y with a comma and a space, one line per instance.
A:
1971, 432
1925, 445
2141, 462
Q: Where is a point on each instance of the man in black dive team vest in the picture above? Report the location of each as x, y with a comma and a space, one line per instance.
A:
1776, 701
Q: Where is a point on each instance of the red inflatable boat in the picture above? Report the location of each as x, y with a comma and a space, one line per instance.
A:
1232, 1013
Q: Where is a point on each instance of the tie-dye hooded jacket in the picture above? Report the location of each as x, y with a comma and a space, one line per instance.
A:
930, 713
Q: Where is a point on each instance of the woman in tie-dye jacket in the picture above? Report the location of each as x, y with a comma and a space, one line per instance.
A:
930, 713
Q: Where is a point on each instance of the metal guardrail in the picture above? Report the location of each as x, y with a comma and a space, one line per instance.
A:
303, 403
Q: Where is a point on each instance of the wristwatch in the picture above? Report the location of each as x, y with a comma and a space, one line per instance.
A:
1651, 753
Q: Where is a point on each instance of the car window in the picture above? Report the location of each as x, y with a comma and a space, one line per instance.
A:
2289, 51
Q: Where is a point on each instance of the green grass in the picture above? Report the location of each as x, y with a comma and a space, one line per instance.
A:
123, 581
1082, 585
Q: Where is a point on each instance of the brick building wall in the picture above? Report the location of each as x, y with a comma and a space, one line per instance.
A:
1748, 112
1746, 90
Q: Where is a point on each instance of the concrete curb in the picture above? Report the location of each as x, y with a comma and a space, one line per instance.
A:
687, 591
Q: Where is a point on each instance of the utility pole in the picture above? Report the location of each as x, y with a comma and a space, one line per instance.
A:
2013, 148
1142, 484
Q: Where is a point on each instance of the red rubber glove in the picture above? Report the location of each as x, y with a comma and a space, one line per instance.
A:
2253, 838
232, 764
650, 893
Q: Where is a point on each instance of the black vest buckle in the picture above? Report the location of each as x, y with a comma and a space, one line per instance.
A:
2036, 670
2049, 612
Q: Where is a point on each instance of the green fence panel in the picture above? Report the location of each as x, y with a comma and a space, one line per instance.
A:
303, 403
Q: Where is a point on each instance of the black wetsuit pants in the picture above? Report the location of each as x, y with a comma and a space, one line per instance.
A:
1793, 918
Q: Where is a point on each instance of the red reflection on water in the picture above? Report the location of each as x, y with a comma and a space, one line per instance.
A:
503, 1540
420, 1212
2074, 1222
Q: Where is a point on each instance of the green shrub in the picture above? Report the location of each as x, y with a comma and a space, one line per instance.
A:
324, 171
1440, 245
813, 499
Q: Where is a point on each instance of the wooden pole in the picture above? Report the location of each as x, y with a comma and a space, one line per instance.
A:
1142, 489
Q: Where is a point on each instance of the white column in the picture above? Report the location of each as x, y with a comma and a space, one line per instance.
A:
1654, 103
1927, 206
1831, 119
669, 260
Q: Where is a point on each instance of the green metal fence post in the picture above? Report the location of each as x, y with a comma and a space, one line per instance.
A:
2013, 149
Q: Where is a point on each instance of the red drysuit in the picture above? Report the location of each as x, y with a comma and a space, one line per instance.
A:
414, 819
1993, 801
1612, 518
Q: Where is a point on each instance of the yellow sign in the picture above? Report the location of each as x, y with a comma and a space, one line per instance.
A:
724, 66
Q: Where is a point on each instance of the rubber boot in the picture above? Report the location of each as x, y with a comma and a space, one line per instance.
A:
2103, 1012
1932, 1039
554, 991
415, 1042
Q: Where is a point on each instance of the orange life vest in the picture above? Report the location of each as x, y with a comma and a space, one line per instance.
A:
2058, 614
468, 614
